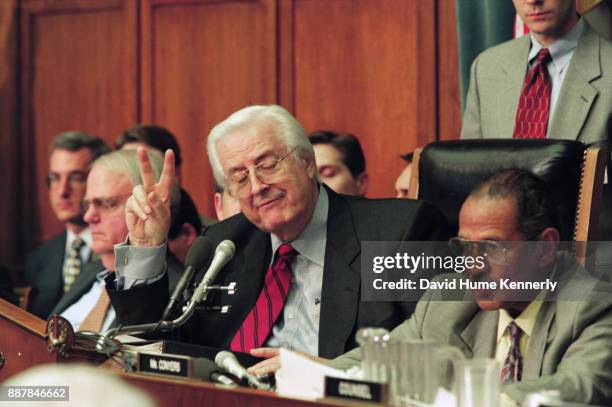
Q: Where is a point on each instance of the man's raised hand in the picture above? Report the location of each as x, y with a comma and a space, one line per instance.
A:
147, 211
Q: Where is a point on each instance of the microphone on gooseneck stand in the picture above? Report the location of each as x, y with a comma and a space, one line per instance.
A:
197, 257
223, 254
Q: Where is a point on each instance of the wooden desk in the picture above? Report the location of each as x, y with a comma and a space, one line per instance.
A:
175, 392
23, 344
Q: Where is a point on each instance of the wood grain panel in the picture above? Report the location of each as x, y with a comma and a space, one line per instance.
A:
78, 67
9, 143
449, 95
202, 60
368, 67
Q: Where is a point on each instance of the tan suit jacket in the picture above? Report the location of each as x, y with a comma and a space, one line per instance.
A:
570, 348
583, 110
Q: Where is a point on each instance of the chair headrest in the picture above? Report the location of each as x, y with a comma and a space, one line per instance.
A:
448, 170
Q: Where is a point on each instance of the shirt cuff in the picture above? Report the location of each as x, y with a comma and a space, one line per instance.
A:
137, 265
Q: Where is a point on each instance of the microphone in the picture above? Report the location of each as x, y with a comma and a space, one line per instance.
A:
206, 369
227, 360
197, 257
223, 254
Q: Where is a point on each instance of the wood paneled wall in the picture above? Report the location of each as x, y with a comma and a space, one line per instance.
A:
382, 69
368, 68
78, 72
11, 238
201, 61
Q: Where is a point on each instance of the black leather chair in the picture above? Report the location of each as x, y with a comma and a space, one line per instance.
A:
444, 172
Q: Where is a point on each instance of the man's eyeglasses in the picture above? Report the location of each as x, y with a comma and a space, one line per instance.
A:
103, 204
494, 251
77, 178
267, 171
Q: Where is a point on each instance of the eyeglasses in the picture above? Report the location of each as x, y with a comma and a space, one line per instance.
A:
103, 204
267, 171
77, 178
495, 252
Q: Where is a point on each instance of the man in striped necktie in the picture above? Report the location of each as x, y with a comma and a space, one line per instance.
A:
552, 337
552, 82
298, 245
53, 267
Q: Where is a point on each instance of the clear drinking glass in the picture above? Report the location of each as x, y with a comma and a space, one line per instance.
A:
478, 383
375, 356
417, 369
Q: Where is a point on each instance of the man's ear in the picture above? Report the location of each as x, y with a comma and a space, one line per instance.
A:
362, 183
311, 166
549, 239
218, 205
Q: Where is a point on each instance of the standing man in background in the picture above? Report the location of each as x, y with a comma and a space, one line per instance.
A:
555, 82
52, 268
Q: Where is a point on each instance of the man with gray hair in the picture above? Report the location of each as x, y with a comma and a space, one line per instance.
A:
52, 268
298, 252
109, 185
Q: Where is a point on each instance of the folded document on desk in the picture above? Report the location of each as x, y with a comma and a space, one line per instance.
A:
302, 377
134, 343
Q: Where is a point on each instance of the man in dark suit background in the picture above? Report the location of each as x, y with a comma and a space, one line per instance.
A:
292, 229
52, 268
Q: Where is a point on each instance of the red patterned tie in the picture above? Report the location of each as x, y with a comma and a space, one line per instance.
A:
534, 103
259, 322
512, 369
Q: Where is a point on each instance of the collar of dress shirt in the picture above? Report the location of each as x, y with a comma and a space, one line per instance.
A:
525, 321
560, 50
311, 242
85, 235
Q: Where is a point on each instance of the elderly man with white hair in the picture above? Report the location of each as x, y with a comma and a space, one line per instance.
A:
298, 251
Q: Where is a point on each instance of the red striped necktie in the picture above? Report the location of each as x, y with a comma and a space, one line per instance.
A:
512, 369
259, 322
534, 103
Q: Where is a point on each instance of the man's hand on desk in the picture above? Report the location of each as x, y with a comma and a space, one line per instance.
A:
272, 362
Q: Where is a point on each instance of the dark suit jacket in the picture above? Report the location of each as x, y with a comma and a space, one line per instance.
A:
43, 273
351, 220
87, 277
80, 287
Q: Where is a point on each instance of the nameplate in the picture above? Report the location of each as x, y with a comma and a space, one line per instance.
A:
171, 365
164, 364
355, 390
